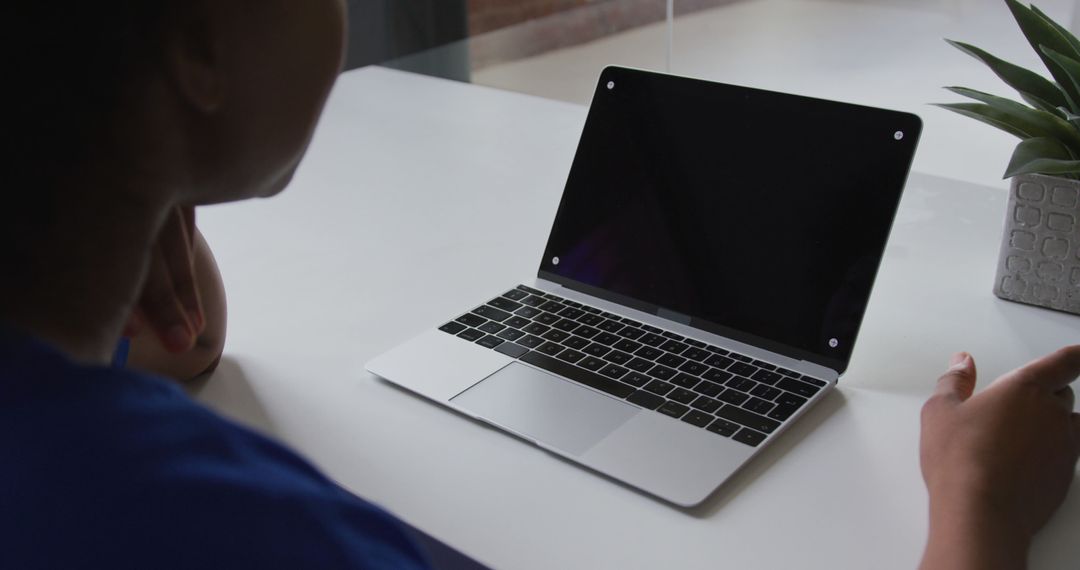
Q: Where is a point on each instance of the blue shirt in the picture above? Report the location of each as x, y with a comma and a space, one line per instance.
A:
105, 468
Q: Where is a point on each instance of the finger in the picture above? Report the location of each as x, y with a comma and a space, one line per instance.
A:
958, 382
1067, 397
162, 310
1055, 370
176, 241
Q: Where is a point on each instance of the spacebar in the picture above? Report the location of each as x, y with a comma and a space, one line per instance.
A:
576, 374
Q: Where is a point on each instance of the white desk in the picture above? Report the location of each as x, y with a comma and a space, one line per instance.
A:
421, 196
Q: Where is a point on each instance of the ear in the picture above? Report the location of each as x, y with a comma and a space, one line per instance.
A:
194, 55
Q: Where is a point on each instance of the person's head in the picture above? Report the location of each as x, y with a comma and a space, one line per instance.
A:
209, 100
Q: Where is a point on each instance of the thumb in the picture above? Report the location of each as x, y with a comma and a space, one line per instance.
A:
958, 382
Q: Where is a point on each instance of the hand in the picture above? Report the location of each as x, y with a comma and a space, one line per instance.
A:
169, 303
998, 464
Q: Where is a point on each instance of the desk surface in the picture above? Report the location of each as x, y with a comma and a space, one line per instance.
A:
413, 186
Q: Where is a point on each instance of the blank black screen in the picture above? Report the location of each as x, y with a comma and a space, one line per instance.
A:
763, 216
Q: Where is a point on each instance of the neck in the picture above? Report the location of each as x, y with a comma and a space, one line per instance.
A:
76, 287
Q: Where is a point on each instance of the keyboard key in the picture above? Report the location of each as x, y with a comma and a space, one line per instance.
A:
694, 343
554, 297
573, 304
510, 334
697, 418
674, 346
618, 357
611, 316
613, 371
546, 318
765, 392
512, 350
787, 399
659, 387
490, 341
536, 329
590, 319
627, 345
723, 427
555, 335
491, 327
610, 326
673, 409
645, 400
782, 413
606, 338
529, 312
748, 419
505, 304
706, 404
672, 335
682, 395
742, 369
758, 406
571, 313
709, 388
471, 334
740, 357
586, 331
764, 365
591, 310
716, 350
530, 341
566, 325
592, 363
530, 290
649, 353
717, 361
789, 373
652, 339
685, 380
597, 350
749, 437
570, 355
741, 384
591, 379
797, 386
551, 348
695, 354
636, 379
489, 312
629, 321
533, 301
815, 381
693, 368
671, 360
471, 320
452, 327
718, 376
639, 364
733, 396
630, 333
576, 342
517, 322
552, 307
652, 329
766, 377
662, 372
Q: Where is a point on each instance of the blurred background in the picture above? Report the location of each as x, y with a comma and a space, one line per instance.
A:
886, 53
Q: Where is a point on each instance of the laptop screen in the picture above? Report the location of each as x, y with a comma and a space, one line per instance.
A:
755, 215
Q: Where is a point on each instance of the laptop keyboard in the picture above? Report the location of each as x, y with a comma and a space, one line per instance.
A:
726, 393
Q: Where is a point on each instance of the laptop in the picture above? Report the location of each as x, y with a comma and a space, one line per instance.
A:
702, 286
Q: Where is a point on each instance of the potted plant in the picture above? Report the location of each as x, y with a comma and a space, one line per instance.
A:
1040, 250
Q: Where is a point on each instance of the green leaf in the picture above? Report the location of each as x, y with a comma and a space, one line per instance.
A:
987, 114
1070, 65
1042, 155
1034, 101
1073, 41
1035, 122
1025, 81
1041, 33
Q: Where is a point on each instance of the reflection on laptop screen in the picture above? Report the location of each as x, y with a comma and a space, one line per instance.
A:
760, 215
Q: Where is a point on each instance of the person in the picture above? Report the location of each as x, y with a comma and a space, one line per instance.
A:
133, 112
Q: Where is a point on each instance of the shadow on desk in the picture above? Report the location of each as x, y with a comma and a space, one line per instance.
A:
229, 383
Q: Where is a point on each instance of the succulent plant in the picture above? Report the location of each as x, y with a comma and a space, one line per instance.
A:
1049, 125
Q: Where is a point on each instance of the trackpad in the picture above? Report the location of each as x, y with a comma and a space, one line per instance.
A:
545, 408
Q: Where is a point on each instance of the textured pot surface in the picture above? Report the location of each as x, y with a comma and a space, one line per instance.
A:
1040, 249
